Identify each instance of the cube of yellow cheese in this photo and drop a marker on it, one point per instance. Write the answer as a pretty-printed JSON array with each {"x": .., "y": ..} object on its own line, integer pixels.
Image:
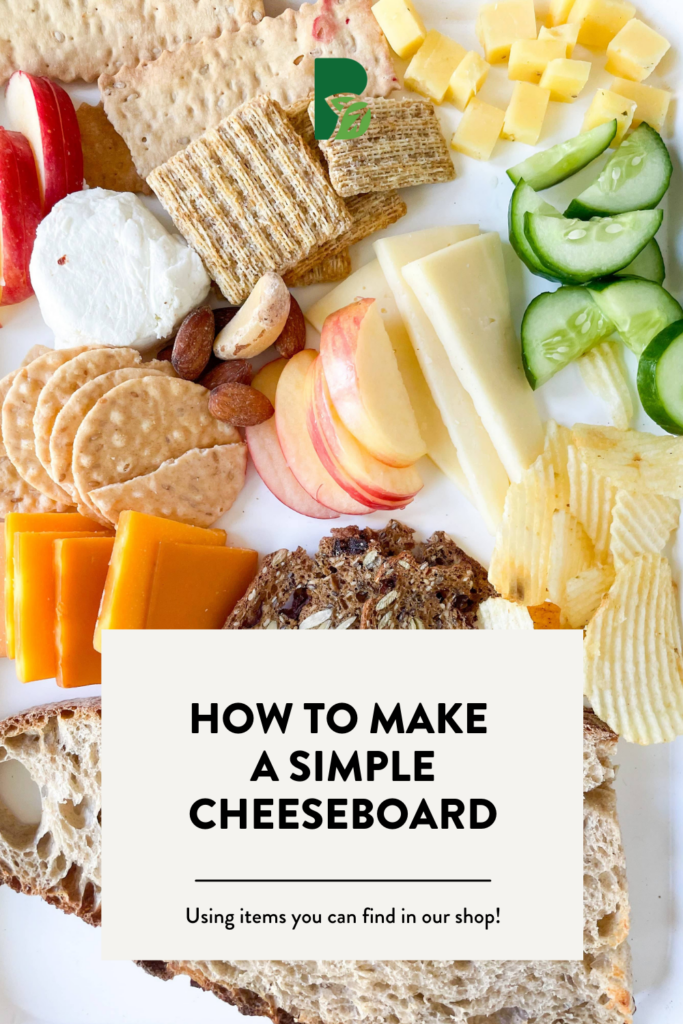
[
  {"x": 565, "y": 78},
  {"x": 467, "y": 79},
  {"x": 607, "y": 106},
  {"x": 635, "y": 51},
  {"x": 558, "y": 11},
  {"x": 499, "y": 25},
  {"x": 479, "y": 130},
  {"x": 569, "y": 35},
  {"x": 401, "y": 24},
  {"x": 430, "y": 70},
  {"x": 652, "y": 104},
  {"x": 600, "y": 20},
  {"x": 530, "y": 57},
  {"x": 525, "y": 115}
]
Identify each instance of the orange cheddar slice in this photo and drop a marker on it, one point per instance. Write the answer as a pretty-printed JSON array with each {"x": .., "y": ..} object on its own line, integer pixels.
[
  {"x": 197, "y": 587},
  {"x": 61, "y": 523},
  {"x": 81, "y": 565},
  {"x": 129, "y": 581},
  {"x": 34, "y": 604}
]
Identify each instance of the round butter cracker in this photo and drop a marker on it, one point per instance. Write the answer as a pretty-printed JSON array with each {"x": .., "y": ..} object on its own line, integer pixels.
[{"x": 65, "y": 381}]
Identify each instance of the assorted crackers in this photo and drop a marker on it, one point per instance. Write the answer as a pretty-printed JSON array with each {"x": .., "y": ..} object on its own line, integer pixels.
[
  {"x": 114, "y": 434},
  {"x": 107, "y": 162}
]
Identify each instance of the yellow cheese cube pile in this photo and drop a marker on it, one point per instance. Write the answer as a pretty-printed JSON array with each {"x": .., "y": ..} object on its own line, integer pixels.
[{"x": 541, "y": 65}]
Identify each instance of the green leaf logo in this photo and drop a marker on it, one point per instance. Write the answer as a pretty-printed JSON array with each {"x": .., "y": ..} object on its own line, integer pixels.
[{"x": 354, "y": 116}]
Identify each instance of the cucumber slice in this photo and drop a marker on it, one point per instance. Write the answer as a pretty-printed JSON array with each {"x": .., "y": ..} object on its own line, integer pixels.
[
  {"x": 559, "y": 162},
  {"x": 638, "y": 309},
  {"x": 635, "y": 178},
  {"x": 660, "y": 378},
  {"x": 525, "y": 200},
  {"x": 578, "y": 251},
  {"x": 648, "y": 264},
  {"x": 557, "y": 328}
]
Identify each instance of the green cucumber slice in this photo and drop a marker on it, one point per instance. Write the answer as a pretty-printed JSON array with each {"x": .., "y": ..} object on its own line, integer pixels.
[
  {"x": 660, "y": 378},
  {"x": 578, "y": 251},
  {"x": 635, "y": 178},
  {"x": 557, "y": 328},
  {"x": 638, "y": 309},
  {"x": 544, "y": 169},
  {"x": 525, "y": 200},
  {"x": 648, "y": 264}
]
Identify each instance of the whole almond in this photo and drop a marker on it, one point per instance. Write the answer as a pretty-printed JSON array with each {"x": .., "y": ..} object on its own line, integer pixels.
[
  {"x": 193, "y": 344},
  {"x": 234, "y": 371},
  {"x": 293, "y": 336},
  {"x": 222, "y": 316},
  {"x": 239, "y": 405}
]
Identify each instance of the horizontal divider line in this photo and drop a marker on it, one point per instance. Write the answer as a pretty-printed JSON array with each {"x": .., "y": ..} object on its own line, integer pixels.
[{"x": 351, "y": 880}]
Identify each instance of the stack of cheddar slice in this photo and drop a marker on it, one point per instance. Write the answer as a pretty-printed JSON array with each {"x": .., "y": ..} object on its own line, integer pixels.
[{"x": 67, "y": 578}]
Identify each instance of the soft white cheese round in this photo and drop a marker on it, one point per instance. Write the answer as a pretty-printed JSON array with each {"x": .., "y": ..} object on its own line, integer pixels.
[{"x": 106, "y": 272}]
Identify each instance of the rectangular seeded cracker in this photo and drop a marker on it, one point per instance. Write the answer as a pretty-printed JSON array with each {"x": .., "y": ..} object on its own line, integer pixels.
[
  {"x": 402, "y": 146},
  {"x": 334, "y": 268},
  {"x": 371, "y": 212},
  {"x": 249, "y": 197},
  {"x": 85, "y": 38},
  {"x": 160, "y": 107}
]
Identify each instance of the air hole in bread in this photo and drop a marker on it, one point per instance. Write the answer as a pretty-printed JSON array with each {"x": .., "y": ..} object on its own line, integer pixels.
[
  {"x": 45, "y": 846},
  {"x": 20, "y": 805},
  {"x": 609, "y": 924},
  {"x": 78, "y": 815}
]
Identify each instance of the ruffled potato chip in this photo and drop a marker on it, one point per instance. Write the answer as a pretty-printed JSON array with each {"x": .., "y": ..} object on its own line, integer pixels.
[
  {"x": 497, "y": 613},
  {"x": 557, "y": 440},
  {"x": 641, "y": 525},
  {"x": 632, "y": 460},
  {"x": 591, "y": 500},
  {"x": 583, "y": 594},
  {"x": 604, "y": 373},
  {"x": 571, "y": 552}
]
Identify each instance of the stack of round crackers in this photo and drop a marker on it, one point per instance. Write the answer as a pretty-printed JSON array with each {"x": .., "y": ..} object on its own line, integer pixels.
[{"x": 100, "y": 429}]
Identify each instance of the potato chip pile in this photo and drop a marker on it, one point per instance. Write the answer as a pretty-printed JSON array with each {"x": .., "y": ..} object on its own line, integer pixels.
[{"x": 586, "y": 528}]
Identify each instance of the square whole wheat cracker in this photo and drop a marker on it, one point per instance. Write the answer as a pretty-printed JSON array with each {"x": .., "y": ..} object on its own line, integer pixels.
[
  {"x": 107, "y": 162},
  {"x": 249, "y": 197},
  {"x": 85, "y": 38},
  {"x": 333, "y": 268},
  {"x": 403, "y": 146},
  {"x": 160, "y": 107}
]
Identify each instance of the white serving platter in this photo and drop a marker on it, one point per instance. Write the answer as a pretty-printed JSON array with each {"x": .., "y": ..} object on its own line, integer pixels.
[{"x": 50, "y": 967}]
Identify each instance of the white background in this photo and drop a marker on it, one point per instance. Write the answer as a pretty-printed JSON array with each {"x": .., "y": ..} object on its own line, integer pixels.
[
  {"x": 153, "y": 773},
  {"x": 50, "y": 966}
]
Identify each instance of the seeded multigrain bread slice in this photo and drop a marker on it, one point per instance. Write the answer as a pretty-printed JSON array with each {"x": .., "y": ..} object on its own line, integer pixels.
[
  {"x": 278, "y": 593},
  {"x": 57, "y": 858},
  {"x": 468, "y": 574},
  {"x": 594, "y": 990}
]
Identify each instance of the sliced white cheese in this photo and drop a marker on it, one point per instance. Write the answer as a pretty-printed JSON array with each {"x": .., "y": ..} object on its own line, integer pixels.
[
  {"x": 485, "y": 473},
  {"x": 370, "y": 282},
  {"x": 464, "y": 292}
]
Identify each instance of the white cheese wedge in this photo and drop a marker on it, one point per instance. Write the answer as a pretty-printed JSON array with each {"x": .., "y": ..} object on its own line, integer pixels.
[
  {"x": 486, "y": 476},
  {"x": 464, "y": 292},
  {"x": 370, "y": 283},
  {"x": 106, "y": 272}
]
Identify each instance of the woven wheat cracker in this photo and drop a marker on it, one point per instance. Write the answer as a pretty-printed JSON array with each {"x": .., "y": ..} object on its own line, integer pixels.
[
  {"x": 15, "y": 494},
  {"x": 402, "y": 146},
  {"x": 298, "y": 115},
  {"x": 65, "y": 381},
  {"x": 249, "y": 197},
  {"x": 84, "y": 38},
  {"x": 196, "y": 488},
  {"x": 77, "y": 408},
  {"x": 140, "y": 424},
  {"x": 371, "y": 212},
  {"x": 107, "y": 162},
  {"x": 333, "y": 268},
  {"x": 18, "y": 410},
  {"x": 159, "y": 108}
]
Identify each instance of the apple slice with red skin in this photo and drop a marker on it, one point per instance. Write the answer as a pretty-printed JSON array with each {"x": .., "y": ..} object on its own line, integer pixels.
[
  {"x": 351, "y": 465},
  {"x": 366, "y": 385},
  {"x": 297, "y": 447},
  {"x": 266, "y": 453},
  {"x": 44, "y": 113},
  {"x": 20, "y": 214}
]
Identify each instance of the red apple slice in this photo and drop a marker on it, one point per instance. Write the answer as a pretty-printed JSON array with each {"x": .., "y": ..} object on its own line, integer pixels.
[
  {"x": 267, "y": 456},
  {"x": 44, "y": 113},
  {"x": 366, "y": 384},
  {"x": 297, "y": 447},
  {"x": 354, "y": 468},
  {"x": 19, "y": 216}
]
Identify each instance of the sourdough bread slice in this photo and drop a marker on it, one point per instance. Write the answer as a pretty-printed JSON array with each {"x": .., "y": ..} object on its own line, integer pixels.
[
  {"x": 58, "y": 858},
  {"x": 595, "y": 990}
]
